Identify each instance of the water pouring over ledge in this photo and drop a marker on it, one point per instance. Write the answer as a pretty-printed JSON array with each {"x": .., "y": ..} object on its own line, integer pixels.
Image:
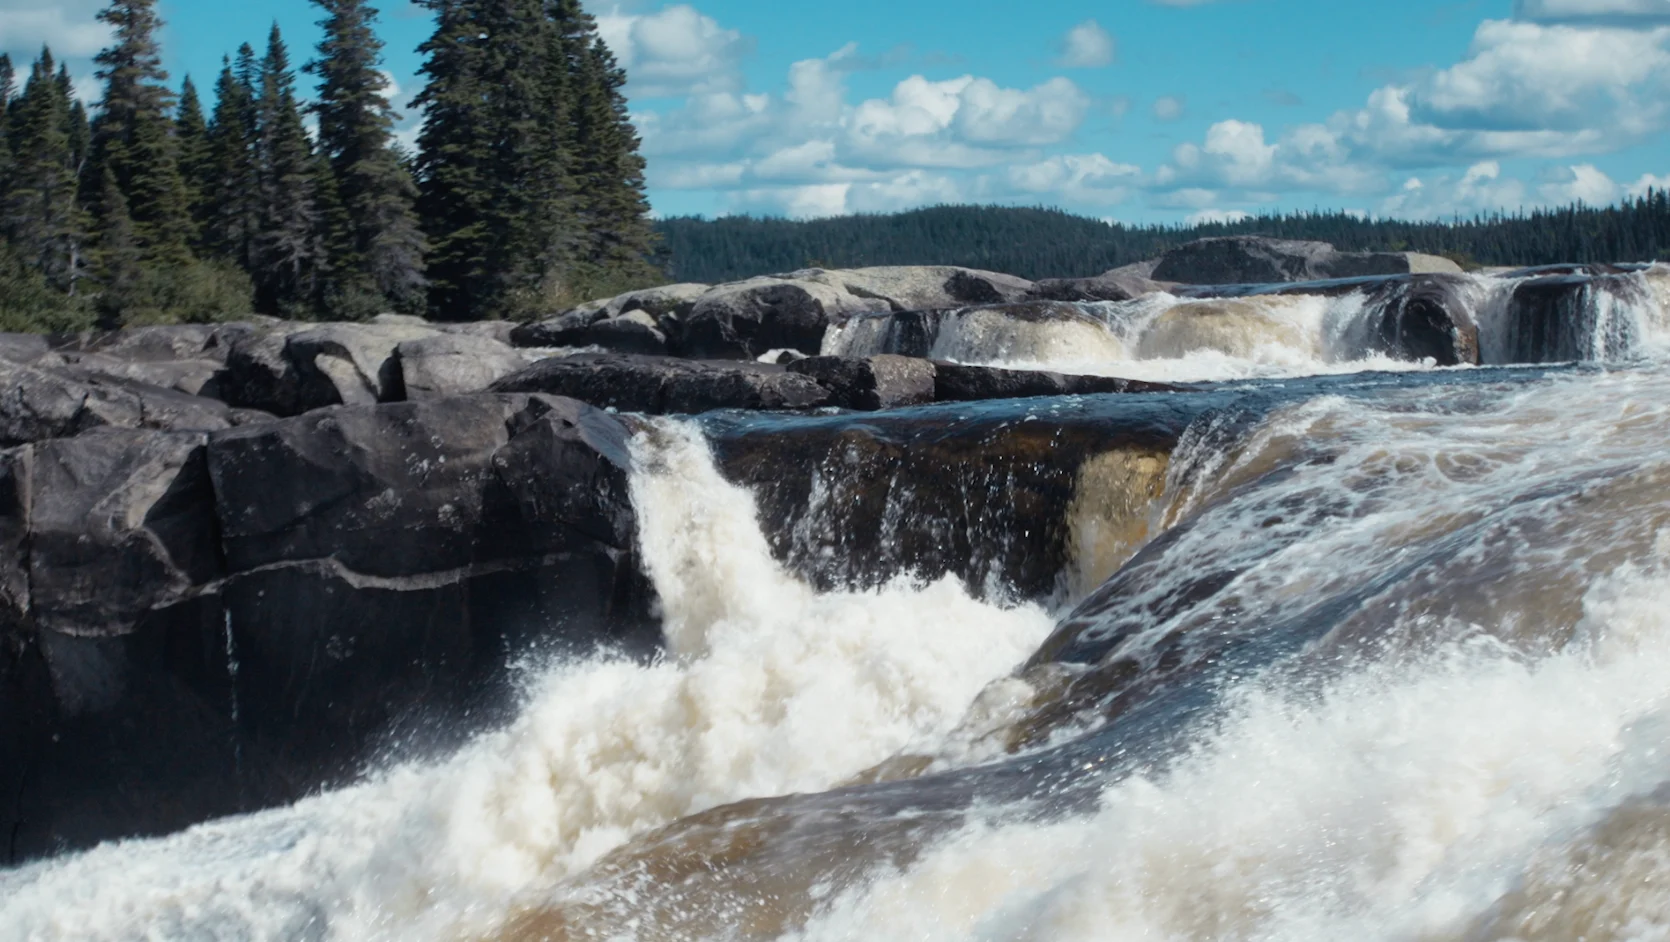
[
  {"x": 1225, "y": 332},
  {"x": 1384, "y": 661}
]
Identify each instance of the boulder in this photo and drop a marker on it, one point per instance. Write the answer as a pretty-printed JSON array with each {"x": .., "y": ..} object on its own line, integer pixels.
[
  {"x": 867, "y": 384},
  {"x": 564, "y": 330},
  {"x": 655, "y": 302},
  {"x": 1261, "y": 260},
  {"x": 492, "y": 330},
  {"x": 923, "y": 287},
  {"x": 452, "y": 363},
  {"x": 194, "y": 377},
  {"x": 1032, "y": 331},
  {"x": 198, "y": 625},
  {"x": 1119, "y": 284},
  {"x": 120, "y": 523},
  {"x": 45, "y": 401},
  {"x": 259, "y": 375},
  {"x": 633, "y": 332},
  {"x": 351, "y": 364},
  {"x": 23, "y": 348},
  {"x": 958, "y": 383},
  {"x": 287, "y": 371},
  {"x": 1012, "y": 506},
  {"x": 662, "y": 385},
  {"x": 749, "y": 318},
  {"x": 160, "y": 343},
  {"x": 1427, "y": 316},
  {"x": 1582, "y": 315}
]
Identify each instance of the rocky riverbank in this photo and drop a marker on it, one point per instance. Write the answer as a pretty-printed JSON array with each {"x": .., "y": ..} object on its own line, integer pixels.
[{"x": 239, "y": 561}]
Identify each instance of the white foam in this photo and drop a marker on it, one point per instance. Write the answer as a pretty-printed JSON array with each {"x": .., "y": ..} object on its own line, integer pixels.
[
  {"x": 1402, "y": 803},
  {"x": 770, "y": 688}
]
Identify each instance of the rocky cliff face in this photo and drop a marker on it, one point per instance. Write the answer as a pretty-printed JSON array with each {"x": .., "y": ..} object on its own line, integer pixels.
[{"x": 201, "y": 623}]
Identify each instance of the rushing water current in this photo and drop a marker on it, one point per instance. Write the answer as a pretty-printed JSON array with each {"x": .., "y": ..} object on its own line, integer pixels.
[{"x": 1392, "y": 663}]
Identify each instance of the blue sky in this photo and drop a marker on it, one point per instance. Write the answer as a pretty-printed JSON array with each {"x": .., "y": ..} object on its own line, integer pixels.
[{"x": 1136, "y": 110}]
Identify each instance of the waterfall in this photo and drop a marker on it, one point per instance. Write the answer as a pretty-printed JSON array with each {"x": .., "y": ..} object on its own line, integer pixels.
[
  {"x": 1392, "y": 323},
  {"x": 1306, "y": 657},
  {"x": 769, "y": 687}
]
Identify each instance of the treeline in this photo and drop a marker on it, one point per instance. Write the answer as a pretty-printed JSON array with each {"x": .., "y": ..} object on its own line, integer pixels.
[
  {"x": 526, "y": 193},
  {"x": 1046, "y": 243}
]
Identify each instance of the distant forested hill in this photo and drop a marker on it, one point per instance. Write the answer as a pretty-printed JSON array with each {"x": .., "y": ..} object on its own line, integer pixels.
[{"x": 1045, "y": 243}]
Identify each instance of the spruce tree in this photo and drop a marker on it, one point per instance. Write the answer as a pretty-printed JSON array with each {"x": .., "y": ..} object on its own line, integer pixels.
[
  {"x": 8, "y": 88},
  {"x": 287, "y": 251},
  {"x": 39, "y": 213},
  {"x": 191, "y": 131},
  {"x": 608, "y": 174},
  {"x": 231, "y": 184},
  {"x": 493, "y": 190},
  {"x": 117, "y": 256},
  {"x": 133, "y": 139},
  {"x": 377, "y": 245}
]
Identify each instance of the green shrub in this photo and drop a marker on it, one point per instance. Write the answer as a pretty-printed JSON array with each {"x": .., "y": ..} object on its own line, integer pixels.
[{"x": 28, "y": 304}]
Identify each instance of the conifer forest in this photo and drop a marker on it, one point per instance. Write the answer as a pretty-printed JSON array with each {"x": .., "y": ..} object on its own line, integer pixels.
[{"x": 159, "y": 204}]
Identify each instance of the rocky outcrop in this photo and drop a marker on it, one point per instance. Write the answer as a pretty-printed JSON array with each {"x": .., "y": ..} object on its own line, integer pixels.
[
  {"x": 450, "y": 364},
  {"x": 635, "y": 331},
  {"x": 1425, "y": 317},
  {"x": 1261, "y": 260},
  {"x": 194, "y": 624},
  {"x": 1120, "y": 284},
  {"x": 52, "y": 399},
  {"x": 1033, "y": 331},
  {"x": 749, "y": 318},
  {"x": 923, "y": 287},
  {"x": 871, "y": 383},
  {"x": 1582, "y": 314},
  {"x": 663, "y": 386},
  {"x": 1010, "y": 505},
  {"x": 955, "y": 382},
  {"x": 288, "y": 369}
]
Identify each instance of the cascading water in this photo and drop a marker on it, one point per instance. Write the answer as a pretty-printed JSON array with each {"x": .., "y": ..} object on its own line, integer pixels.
[
  {"x": 1384, "y": 657},
  {"x": 768, "y": 688},
  {"x": 1254, "y": 332}
]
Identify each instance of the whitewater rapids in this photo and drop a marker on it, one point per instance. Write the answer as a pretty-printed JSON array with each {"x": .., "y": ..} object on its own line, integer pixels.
[
  {"x": 767, "y": 688},
  {"x": 1403, "y": 643}
]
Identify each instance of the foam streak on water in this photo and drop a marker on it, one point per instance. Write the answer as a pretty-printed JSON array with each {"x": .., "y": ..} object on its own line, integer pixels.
[{"x": 768, "y": 688}]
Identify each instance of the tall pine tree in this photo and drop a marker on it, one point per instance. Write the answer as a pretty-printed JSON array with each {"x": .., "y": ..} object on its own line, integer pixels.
[
  {"x": 133, "y": 139},
  {"x": 609, "y": 177},
  {"x": 230, "y": 181},
  {"x": 494, "y": 195},
  {"x": 191, "y": 131},
  {"x": 39, "y": 212},
  {"x": 287, "y": 251},
  {"x": 377, "y": 245},
  {"x": 8, "y": 88}
]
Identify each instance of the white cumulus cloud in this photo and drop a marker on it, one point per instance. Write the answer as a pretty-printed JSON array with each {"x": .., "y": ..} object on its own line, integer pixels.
[
  {"x": 675, "y": 52},
  {"x": 1647, "y": 182},
  {"x": 1481, "y": 189},
  {"x": 1087, "y": 46},
  {"x": 1620, "y": 10},
  {"x": 1169, "y": 107},
  {"x": 67, "y": 26},
  {"x": 1582, "y": 183},
  {"x": 1534, "y": 77}
]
